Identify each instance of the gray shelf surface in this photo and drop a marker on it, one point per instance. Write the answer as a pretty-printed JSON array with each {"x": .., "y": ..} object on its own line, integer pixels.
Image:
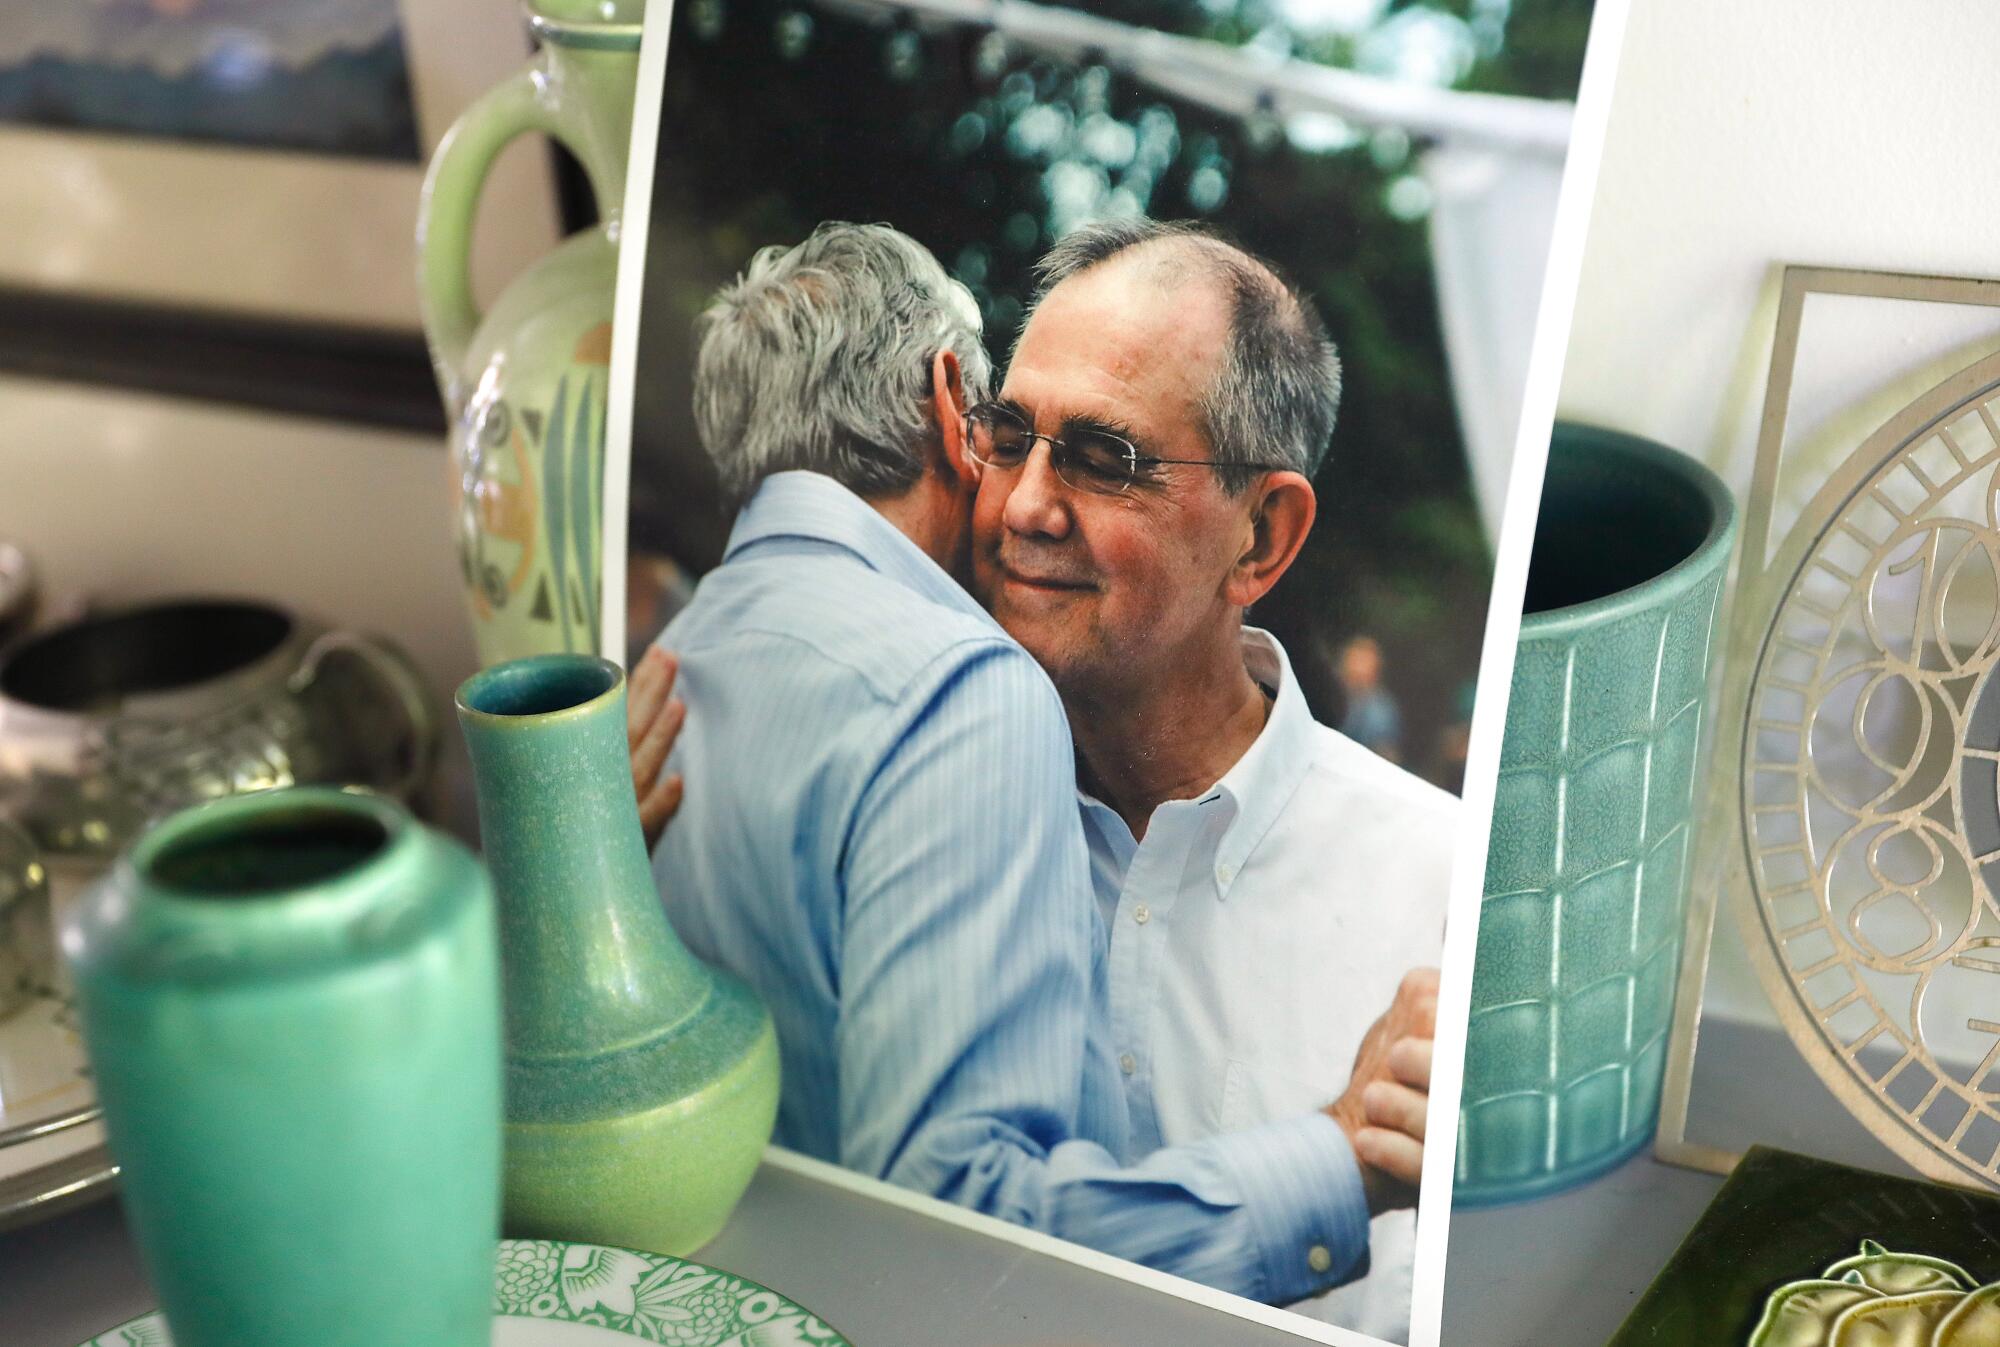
[
  {"x": 1566, "y": 1270},
  {"x": 883, "y": 1275}
]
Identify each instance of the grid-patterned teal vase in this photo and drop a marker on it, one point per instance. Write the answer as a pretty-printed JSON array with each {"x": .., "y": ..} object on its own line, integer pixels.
[{"x": 1586, "y": 876}]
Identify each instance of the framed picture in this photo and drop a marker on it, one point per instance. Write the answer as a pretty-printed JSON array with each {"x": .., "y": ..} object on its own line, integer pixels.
[{"x": 261, "y": 157}]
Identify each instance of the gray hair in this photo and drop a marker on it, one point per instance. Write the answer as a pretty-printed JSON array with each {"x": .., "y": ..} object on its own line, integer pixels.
[
  {"x": 819, "y": 356},
  {"x": 1274, "y": 399}
]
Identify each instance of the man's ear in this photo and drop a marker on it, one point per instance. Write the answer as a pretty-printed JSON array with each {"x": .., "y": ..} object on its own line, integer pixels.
[
  {"x": 1282, "y": 508},
  {"x": 948, "y": 410}
]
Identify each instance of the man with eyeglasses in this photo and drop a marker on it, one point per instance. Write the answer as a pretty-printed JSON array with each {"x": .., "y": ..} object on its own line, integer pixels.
[
  {"x": 1269, "y": 885},
  {"x": 881, "y": 832}
]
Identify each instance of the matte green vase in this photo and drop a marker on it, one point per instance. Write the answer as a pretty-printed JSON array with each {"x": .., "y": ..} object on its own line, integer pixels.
[
  {"x": 292, "y": 1007},
  {"x": 642, "y": 1085},
  {"x": 1586, "y": 874},
  {"x": 524, "y": 385}
]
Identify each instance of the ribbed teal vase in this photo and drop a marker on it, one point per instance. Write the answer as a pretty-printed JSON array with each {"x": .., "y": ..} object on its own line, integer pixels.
[
  {"x": 1586, "y": 874},
  {"x": 292, "y": 1006},
  {"x": 641, "y": 1084}
]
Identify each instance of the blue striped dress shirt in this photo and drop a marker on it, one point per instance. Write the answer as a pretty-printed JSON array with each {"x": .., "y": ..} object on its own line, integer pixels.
[{"x": 881, "y": 836}]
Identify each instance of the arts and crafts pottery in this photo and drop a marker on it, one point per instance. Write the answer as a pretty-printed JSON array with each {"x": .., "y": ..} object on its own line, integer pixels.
[
  {"x": 549, "y": 1294},
  {"x": 1798, "y": 1252},
  {"x": 291, "y": 1003},
  {"x": 524, "y": 383},
  {"x": 1587, "y": 871},
  {"x": 642, "y": 1085}
]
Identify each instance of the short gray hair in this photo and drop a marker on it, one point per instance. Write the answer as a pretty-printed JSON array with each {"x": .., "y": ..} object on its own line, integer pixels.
[
  {"x": 819, "y": 356},
  {"x": 1274, "y": 399}
]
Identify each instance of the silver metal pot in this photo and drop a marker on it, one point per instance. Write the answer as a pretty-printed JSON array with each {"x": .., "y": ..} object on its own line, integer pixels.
[{"x": 108, "y": 722}]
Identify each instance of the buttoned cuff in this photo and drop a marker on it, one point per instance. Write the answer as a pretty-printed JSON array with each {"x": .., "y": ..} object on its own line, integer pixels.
[{"x": 1302, "y": 1190}]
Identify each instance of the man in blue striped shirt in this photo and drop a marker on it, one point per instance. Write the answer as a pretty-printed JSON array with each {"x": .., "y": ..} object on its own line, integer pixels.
[{"x": 882, "y": 835}]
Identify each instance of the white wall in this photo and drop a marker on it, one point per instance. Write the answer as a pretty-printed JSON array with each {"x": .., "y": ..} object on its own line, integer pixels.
[
  {"x": 1745, "y": 136},
  {"x": 122, "y": 496}
]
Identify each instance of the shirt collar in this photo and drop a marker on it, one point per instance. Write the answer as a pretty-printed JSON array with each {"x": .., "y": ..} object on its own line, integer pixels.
[
  {"x": 812, "y": 506},
  {"x": 1264, "y": 779},
  {"x": 1254, "y": 791}
]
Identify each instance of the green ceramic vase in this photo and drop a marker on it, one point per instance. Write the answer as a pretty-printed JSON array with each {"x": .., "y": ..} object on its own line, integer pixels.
[
  {"x": 1586, "y": 875},
  {"x": 291, "y": 1002},
  {"x": 641, "y": 1084},
  {"x": 524, "y": 385}
]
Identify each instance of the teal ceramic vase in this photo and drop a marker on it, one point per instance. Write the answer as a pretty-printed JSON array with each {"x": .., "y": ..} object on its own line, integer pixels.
[
  {"x": 291, "y": 1002},
  {"x": 641, "y": 1084},
  {"x": 1586, "y": 874},
  {"x": 524, "y": 383}
]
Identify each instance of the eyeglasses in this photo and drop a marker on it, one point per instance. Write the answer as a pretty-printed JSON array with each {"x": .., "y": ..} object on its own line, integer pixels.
[{"x": 1087, "y": 460}]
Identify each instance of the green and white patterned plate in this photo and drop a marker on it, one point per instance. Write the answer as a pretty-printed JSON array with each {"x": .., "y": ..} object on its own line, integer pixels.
[{"x": 550, "y": 1294}]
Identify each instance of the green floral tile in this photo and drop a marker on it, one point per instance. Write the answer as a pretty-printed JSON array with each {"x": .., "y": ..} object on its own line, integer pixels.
[{"x": 1797, "y": 1252}]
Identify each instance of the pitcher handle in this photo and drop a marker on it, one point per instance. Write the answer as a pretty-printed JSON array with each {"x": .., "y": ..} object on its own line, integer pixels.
[
  {"x": 394, "y": 669},
  {"x": 452, "y": 188}
]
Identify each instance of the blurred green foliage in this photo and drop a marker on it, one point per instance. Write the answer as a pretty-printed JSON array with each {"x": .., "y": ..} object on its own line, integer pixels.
[{"x": 778, "y": 115}]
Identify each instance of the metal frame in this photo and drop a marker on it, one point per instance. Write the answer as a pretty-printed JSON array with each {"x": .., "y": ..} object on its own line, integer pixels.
[{"x": 1722, "y": 869}]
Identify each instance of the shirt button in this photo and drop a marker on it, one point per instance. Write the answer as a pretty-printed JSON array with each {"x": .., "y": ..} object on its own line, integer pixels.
[
  {"x": 1224, "y": 873},
  {"x": 1318, "y": 1259},
  {"x": 1142, "y": 914},
  {"x": 1128, "y": 1063}
]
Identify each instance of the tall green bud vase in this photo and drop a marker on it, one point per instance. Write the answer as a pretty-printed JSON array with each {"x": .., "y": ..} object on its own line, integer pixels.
[
  {"x": 292, "y": 1005},
  {"x": 641, "y": 1084},
  {"x": 524, "y": 384}
]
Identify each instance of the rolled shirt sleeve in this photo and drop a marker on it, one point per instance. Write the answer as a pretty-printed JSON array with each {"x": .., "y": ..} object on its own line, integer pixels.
[{"x": 965, "y": 1000}]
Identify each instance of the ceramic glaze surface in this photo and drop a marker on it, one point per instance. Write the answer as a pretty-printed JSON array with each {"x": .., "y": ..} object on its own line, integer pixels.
[
  {"x": 524, "y": 385},
  {"x": 1580, "y": 930},
  {"x": 641, "y": 1084},
  {"x": 291, "y": 1002},
  {"x": 1796, "y": 1252}
]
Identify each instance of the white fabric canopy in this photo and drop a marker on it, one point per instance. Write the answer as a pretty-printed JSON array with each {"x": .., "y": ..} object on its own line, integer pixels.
[{"x": 1491, "y": 221}]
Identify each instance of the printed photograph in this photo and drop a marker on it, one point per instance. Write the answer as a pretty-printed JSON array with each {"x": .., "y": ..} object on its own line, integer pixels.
[{"x": 1065, "y": 457}]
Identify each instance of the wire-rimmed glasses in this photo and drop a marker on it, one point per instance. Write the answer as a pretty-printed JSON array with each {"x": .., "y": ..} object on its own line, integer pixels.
[{"x": 1084, "y": 458}]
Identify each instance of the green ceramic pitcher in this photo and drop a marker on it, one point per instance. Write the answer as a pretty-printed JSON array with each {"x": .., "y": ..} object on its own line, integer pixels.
[
  {"x": 642, "y": 1085},
  {"x": 1586, "y": 874},
  {"x": 524, "y": 385},
  {"x": 292, "y": 1007}
]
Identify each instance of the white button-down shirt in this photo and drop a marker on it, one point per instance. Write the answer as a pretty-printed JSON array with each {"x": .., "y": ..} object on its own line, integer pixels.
[{"x": 1257, "y": 932}]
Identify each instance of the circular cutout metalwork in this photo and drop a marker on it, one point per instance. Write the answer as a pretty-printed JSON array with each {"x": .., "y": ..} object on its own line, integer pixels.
[{"x": 1870, "y": 750}]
